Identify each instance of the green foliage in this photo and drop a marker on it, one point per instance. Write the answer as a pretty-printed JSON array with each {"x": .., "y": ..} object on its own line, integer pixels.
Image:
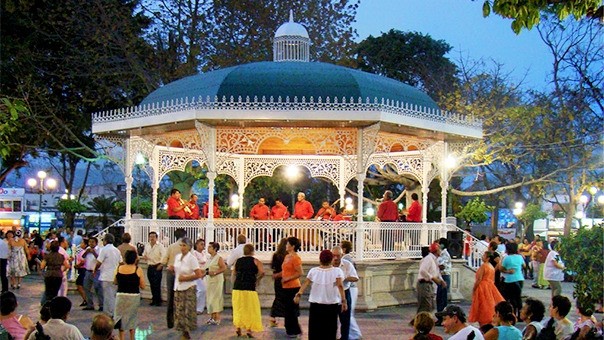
[
  {"x": 474, "y": 211},
  {"x": 410, "y": 57},
  {"x": 529, "y": 214},
  {"x": 72, "y": 60},
  {"x": 527, "y": 14},
  {"x": 17, "y": 137},
  {"x": 70, "y": 208},
  {"x": 104, "y": 206},
  {"x": 582, "y": 254}
]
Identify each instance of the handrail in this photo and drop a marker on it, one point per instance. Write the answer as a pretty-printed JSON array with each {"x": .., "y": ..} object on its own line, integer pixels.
[
  {"x": 474, "y": 260},
  {"x": 119, "y": 223}
]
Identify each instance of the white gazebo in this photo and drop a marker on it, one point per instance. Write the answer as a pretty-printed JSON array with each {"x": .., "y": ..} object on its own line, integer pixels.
[{"x": 246, "y": 121}]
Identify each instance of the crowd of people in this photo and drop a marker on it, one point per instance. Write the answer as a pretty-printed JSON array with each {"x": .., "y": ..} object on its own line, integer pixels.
[{"x": 110, "y": 281}]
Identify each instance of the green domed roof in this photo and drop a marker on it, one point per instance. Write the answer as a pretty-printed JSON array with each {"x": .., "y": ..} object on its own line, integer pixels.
[{"x": 290, "y": 79}]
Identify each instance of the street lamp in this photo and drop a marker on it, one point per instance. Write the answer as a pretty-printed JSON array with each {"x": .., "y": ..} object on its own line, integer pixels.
[
  {"x": 518, "y": 208},
  {"x": 42, "y": 184}
]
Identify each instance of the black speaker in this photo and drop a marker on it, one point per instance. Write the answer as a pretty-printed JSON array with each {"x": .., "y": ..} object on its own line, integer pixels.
[{"x": 455, "y": 247}]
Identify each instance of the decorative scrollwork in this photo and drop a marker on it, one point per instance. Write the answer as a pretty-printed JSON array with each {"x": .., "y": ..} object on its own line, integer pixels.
[{"x": 327, "y": 167}]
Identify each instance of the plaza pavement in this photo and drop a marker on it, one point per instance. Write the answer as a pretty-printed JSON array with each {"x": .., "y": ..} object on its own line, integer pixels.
[{"x": 382, "y": 324}]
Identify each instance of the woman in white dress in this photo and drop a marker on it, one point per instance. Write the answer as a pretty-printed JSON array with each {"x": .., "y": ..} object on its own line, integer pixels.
[{"x": 202, "y": 257}]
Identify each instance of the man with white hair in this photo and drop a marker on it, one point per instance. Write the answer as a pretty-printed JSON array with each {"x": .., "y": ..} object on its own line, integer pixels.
[
  {"x": 350, "y": 276},
  {"x": 303, "y": 209}
]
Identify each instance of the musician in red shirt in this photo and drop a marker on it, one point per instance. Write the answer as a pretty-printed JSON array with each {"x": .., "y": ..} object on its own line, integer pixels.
[
  {"x": 326, "y": 212},
  {"x": 260, "y": 211},
  {"x": 279, "y": 211},
  {"x": 303, "y": 209},
  {"x": 176, "y": 205},
  {"x": 414, "y": 213},
  {"x": 193, "y": 212},
  {"x": 387, "y": 211},
  {"x": 206, "y": 209}
]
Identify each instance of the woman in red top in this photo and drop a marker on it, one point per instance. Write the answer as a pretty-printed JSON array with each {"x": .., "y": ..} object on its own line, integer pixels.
[{"x": 291, "y": 271}]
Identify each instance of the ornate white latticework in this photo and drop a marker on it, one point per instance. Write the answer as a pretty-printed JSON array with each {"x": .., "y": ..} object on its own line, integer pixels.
[
  {"x": 386, "y": 142},
  {"x": 229, "y": 165},
  {"x": 139, "y": 146},
  {"x": 248, "y": 141},
  {"x": 327, "y": 167},
  {"x": 185, "y": 139},
  {"x": 370, "y": 140},
  {"x": 173, "y": 159},
  {"x": 265, "y": 104},
  {"x": 113, "y": 147},
  {"x": 404, "y": 163},
  {"x": 436, "y": 154}
]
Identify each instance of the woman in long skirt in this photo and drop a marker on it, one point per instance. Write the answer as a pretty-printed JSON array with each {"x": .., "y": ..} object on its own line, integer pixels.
[
  {"x": 278, "y": 307},
  {"x": 214, "y": 271},
  {"x": 17, "y": 259},
  {"x": 186, "y": 271},
  {"x": 485, "y": 294},
  {"x": 246, "y": 305},
  {"x": 129, "y": 280}
]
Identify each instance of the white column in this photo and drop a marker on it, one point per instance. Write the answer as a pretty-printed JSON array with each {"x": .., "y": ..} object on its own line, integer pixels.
[
  {"x": 360, "y": 230},
  {"x": 241, "y": 191},
  {"x": 210, "y": 225}
]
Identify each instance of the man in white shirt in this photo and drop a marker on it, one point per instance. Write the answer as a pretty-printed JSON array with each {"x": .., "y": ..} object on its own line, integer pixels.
[
  {"x": 350, "y": 276},
  {"x": 107, "y": 262},
  {"x": 56, "y": 327},
  {"x": 427, "y": 276},
  {"x": 153, "y": 254},
  {"x": 3, "y": 263},
  {"x": 168, "y": 261},
  {"x": 237, "y": 252},
  {"x": 454, "y": 322},
  {"x": 92, "y": 285}
]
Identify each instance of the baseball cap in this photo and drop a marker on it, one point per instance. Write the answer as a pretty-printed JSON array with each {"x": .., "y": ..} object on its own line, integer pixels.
[
  {"x": 453, "y": 310},
  {"x": 434, "y": 247}
]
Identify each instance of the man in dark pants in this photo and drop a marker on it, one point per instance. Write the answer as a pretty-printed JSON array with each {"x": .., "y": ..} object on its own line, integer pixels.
[
  {"x": 167, "y": 261},
  {"x": 153, "y": 254},
  {"x": 3, "y": 262},
  {"x": 444, "y": 264},
  {"x": 350, "y": 275}
]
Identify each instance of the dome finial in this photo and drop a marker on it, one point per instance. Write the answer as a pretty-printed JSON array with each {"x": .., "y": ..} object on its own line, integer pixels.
[{"x": 291, "y": 42}]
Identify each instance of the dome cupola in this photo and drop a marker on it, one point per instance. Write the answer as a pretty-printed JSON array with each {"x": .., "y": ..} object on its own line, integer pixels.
[{"x": 291, "y": 42}]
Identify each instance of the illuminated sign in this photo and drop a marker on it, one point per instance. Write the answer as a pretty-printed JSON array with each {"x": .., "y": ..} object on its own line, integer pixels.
[{"x": 12, "y": 192}]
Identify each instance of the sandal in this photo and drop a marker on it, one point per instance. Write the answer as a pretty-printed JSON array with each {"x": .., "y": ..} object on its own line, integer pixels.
[
  {"x": 249, "y": 335},
  {"x": 238, "y": 331},
  {"x": 273, "y": 323}
]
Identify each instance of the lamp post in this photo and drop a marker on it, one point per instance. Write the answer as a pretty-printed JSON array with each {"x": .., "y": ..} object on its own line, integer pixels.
[
  {"x": 517, "y": 211},
  {"x": 42, "y": 184}
]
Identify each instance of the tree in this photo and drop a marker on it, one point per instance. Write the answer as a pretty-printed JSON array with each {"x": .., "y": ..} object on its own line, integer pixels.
[
  {"x": 474, "y": 211},
  {"x": 104, "y": 206},
  {"x": 527, "y": 14},
  {"x": 410, "y": 57},
  {"x": 529, "y": 215},
  {"x": 16, "y": 135},
  {"x": 193, "y": 36},
  {"x": 69, "y": 61},
  {"x": 582, "y": 254},
  {"x": 70, "y": 208}
]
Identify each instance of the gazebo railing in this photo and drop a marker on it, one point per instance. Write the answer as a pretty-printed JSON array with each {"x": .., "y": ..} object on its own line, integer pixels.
[{"x": 377, "y": 240}]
